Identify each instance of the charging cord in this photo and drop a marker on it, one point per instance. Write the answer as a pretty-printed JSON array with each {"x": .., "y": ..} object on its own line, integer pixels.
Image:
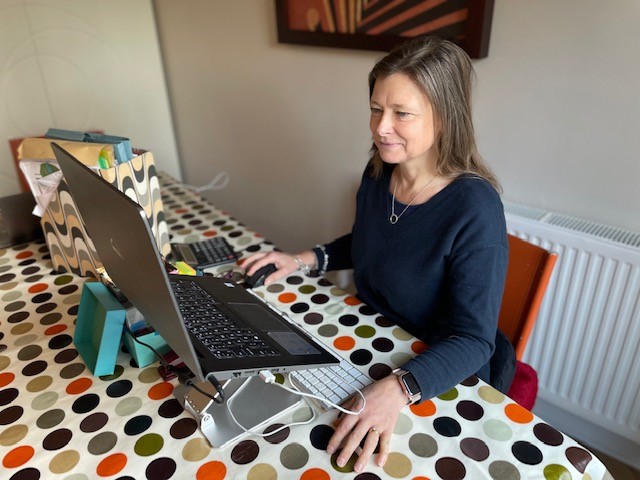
[
  {"x": 220, "y": 181},
  {"x": 183, "y": 374},
  {"x": 270, "y": 378},
  {"x": 322, "y": 399}
]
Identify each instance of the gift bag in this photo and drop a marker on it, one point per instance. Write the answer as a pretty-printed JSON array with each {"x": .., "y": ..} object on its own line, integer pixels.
[{"x": 69, "y": 244}]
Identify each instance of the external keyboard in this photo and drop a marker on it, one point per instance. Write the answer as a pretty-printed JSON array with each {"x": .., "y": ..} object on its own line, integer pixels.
[
  {"x": 215, "y": 330},
  {"x": 335, "y": 383},
  {"x": 205, "y": 253}
]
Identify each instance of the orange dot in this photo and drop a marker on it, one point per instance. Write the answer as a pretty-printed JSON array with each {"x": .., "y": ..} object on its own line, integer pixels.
[
  {"x": 18, "y": 456},
  {"x": 287, "y": 297},
  {"x": 6, "y": 378},
  {"x": 210, "y": 233},
  {"x": 160, "y": 391},
  {"x": 22, "y": 255},
  {"x": 315, "y": 474},
  {"x": 111, "y": 465},
  {"x": 418, "y": 346},
  {"x": 420, "y": 478},
  {"x": 211, "y": 471},
  {"x": 518, "y": 413},
  {"x": 79, "y": 386},
  {"x": 344, "y": 343},
  {"x": 182, "y": 210},
  {"x": 55, "y": 329},
  {"x": 38, "y": 287},
  {"x": 352, "y": 301},
  {"x": 424, "y": 409}
]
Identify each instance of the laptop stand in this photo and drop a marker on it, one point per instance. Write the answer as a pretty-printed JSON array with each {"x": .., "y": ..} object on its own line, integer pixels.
[{"x": 254, "y": 404}]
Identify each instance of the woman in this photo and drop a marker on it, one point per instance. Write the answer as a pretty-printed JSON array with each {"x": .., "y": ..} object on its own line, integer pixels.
[{"x": 428, "y": 246}]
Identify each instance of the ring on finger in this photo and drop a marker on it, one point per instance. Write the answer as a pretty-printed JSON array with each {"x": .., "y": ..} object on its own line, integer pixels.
[{"x": 374, "y": 430}]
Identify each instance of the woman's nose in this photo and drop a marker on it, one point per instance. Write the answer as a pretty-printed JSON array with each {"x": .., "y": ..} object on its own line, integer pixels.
[{"x": 385, "y": 125}]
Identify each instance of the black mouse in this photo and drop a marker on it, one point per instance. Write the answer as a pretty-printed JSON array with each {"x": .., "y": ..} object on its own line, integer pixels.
[{"x": 257, "y": 279}]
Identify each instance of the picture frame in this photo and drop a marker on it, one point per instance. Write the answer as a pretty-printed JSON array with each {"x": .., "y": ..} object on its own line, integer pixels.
[{"x": 381, "y": 24}]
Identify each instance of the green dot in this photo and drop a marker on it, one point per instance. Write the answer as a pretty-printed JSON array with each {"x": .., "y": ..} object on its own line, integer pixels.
[
  {"x": 365, "y": 331},
  {"x": 226, "y": 228},
  {"x": 149, "y": 444},
  {"x": 307, "y": 289},
  {"x": 450, "y": 395},
  {"x": 63, "y": 279},
  {"x": 348, "y": 467},
  {"x": 556, "y": 472}
]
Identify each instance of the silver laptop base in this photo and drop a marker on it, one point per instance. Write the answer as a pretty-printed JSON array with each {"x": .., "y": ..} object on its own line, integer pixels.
[{"x": 214, "y": 419}]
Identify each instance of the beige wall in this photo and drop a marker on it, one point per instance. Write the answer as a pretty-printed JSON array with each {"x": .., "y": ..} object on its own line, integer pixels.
[{"x": 557, "y": 108}]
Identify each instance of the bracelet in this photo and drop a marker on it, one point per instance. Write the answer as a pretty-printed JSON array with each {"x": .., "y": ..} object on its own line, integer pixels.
[
  {"x": 303, "y": 267},
  {"x": 323, "y": 257}
]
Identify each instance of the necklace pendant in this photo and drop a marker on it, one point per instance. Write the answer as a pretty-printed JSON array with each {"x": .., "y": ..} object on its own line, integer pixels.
[{"x": 394, "y": 219}]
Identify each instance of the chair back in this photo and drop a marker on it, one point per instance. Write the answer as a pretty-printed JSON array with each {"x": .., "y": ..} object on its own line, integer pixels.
[{"x": 528, "y": 273}]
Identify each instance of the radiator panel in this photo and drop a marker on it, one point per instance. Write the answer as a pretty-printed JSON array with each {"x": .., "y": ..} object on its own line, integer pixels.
[{"x": 585, "y": 345}]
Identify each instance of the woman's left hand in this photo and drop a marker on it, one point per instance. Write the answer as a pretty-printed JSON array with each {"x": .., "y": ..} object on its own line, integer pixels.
[{"x": 385, "y": 399}]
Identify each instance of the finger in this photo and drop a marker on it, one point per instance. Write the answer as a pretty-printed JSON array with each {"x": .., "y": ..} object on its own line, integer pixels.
[
  {"x": 370, "y": 444},
  {"x": 342, "y": 428},
  {"x": 350, "y": 443},
  {"x": 383, "y": 444}
]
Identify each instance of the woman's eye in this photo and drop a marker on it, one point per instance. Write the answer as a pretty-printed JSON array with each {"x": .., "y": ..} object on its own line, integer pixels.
[
  {"x": 403, "y": 114},
  {"x": 376, "y": 111}
]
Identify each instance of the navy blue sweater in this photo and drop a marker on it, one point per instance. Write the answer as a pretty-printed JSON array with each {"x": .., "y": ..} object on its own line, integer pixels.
[{"x": 438, "y": 273}]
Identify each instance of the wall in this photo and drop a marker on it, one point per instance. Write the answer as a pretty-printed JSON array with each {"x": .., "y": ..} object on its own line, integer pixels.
[
  {"x": 557, "y": 108},
  {"x": 79, "y": 65}
]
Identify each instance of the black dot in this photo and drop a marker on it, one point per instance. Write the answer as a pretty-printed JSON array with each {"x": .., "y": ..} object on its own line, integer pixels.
[
  {"x": 348, "y": 320},
  {"x": 526, "y": 453},
  {"x": 86, "y": 403},
  {"x": 361, "y": 357},
  {"x": 447, "y": 426},
  {"x": 320, "y": 436}
]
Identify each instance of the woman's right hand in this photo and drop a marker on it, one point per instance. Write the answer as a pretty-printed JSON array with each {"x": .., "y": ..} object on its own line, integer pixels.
[{"x": 284, "y": 262}]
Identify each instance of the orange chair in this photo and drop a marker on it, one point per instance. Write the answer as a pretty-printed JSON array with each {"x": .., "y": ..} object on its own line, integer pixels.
[{"x": 528, "y": 273}]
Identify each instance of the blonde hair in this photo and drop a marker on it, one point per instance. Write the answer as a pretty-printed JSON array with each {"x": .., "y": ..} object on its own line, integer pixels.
[{"x": 444, "y": 72}]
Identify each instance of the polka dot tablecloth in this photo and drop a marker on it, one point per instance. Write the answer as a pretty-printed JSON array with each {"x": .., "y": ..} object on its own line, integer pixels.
[{"x": 57, "y": 421}]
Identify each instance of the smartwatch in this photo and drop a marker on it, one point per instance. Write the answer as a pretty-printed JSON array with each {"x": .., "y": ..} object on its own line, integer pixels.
[{"x": 409, "y": 385}]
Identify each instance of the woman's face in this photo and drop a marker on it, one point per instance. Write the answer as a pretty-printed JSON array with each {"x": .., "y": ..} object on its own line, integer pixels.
[{"x": 402, "y": 121}]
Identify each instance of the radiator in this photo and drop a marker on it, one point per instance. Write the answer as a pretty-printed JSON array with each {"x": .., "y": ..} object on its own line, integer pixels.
[{"x": 585, "y": 345}]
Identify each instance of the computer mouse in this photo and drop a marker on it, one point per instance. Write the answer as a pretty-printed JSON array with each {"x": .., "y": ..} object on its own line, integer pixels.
[{"x": 257, "y": 279}]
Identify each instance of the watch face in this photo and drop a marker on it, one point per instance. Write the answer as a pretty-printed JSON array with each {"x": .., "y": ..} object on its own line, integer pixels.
[{"x": 410, "y": 383}]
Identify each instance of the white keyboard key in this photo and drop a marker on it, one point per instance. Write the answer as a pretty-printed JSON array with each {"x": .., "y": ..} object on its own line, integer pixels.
[{"x": 335, "y": 383}]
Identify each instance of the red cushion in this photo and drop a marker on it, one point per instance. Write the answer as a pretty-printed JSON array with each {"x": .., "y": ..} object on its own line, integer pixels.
[{"x": 524, "y": 388}]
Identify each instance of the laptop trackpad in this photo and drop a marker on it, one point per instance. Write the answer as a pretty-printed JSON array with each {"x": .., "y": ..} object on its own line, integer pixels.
[{"x": 262, "y": 319}]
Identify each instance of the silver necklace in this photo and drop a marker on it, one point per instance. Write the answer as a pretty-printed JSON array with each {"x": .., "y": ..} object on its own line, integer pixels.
[{"x": 394, "y": 218}]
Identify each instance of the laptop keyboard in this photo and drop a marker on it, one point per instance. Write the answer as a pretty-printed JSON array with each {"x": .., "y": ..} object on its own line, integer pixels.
[
  {"x": 335, "y": 383},
  {"x": 216, "y": 331}
]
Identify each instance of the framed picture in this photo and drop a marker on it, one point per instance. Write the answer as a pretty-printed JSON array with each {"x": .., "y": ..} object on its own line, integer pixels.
[{"x": 381, "y": 24}]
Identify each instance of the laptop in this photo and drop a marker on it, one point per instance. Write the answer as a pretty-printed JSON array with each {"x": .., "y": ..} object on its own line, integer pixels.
[
  {"x": 125, "y": 244},
  {"x": 17, "y": 223}
]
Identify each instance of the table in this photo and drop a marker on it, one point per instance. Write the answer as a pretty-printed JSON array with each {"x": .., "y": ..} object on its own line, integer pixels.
[{"x": 57, "y": 421}]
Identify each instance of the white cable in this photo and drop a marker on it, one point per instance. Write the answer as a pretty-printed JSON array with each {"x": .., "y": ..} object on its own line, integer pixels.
[
  {"x": 247, "y": 430},
  {"x": 322, "y": 399},
  {"x": 220, "y": 181}
]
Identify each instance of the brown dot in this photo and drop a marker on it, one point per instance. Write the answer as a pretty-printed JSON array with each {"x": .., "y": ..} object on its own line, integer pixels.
[
  {"x": 245, "y": 452},
  {"x": 578, "y": 457},
  {"x": 450, "y": 468},
  {"x": 475, "y": 449}
]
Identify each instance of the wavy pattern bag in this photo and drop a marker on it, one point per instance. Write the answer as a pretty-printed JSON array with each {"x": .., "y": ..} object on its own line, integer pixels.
[{"x": 69, "y": 244}]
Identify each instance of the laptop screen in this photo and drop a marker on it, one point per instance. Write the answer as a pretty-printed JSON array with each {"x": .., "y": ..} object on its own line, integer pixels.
[{"x": 123, "y": 239}]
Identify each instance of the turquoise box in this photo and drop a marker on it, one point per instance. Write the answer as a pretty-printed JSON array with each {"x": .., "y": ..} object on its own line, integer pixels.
[
  {"x": 99, "y": 328},
  {"x": 143, "y": 355}
]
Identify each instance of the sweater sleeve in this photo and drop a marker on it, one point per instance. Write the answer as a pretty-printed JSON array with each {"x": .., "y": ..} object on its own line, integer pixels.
[{"x": 339, "y": 252}]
